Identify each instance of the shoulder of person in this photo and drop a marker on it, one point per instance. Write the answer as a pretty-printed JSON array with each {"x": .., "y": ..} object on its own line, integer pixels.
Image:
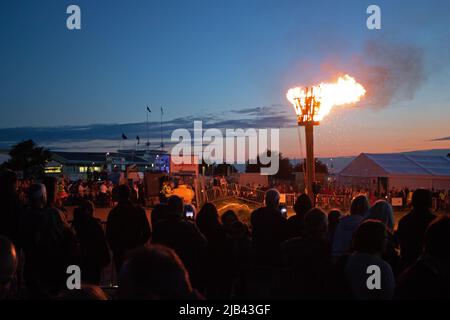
[
  {"x": 385, "y": 266},
  {"x": 140, "y": 208},
  {"x": 52, "y": 210},
  {"x": 289, "y": 243},
  {"x": 113, "y": 210},
  {"x": 189, "y": 224},
  {"x": 96, "y": 222},
  {"x": 256, "y": 212},
  {"x": 112, "y": 213},
  {"x": 368, "y": 259},
  {"x": 431, "y": 216},
  {"x": 341, "y": 261},
  {"x": 56, "y": 213}
]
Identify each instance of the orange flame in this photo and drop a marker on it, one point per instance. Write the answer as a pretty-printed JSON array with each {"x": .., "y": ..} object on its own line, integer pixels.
[{"x": 345, "y": 91}]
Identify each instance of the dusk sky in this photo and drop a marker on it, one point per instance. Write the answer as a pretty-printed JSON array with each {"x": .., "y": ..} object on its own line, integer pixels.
[{"x": 229, "y": 63}]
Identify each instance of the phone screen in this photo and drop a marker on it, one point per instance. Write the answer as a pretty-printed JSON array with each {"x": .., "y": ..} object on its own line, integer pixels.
[{"x": 189, "y": 214}]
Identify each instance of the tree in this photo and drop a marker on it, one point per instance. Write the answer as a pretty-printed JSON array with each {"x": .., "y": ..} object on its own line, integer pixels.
[
  {"x": 29, "y": 158},
  {"x": 222, "y": 169},
  {"x": 284, "y": 169},
  {"x": 320, "y": 167}
]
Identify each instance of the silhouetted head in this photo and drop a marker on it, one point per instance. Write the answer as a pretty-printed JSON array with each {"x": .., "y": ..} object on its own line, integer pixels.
[
  {"x": 8, "y": 264},
  {"x": 83, "y": 212},
  {"x": 359, "y": 206},
  {"x": 88, "y": 207},
  {"x": 86, "y": 293},
  {"x": 123, "y": 193},
  {"x": 422, "y": 199},
  {"x": 238, "y": 229},
  {"x": 51, "y": 185},
  {"x": 302, "y": 205},
  {"x": 176, "y": 206},
  {"x": 272, "y": 198},
  {"x": 228, "y": 218},
  {"x": 159, "y": 213},
  {"x": 8, "y": 183},
  {"x": 382, "y": 211},
  {"x": 316, "y": 222},
  {"x": 37, "y": 195},
  {"x": 437, "y": 239},
  {"x": 333, "y": 217},
  {"x": 207, "y": 218},
  {"x": 370, "y": 237},
  {"x": 154, "y": 273}
]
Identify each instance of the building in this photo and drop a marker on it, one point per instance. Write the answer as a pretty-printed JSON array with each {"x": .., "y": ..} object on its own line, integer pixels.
[
  {"x": 383, "y": 172},
  {"x": 158, "y": 160},
  {"x": 85, "y": 165}
]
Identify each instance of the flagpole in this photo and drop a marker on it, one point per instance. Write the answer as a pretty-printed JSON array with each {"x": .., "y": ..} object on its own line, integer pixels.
[
  {"x": 162, "y": 144},
  {"x": 148, "y": 136}
]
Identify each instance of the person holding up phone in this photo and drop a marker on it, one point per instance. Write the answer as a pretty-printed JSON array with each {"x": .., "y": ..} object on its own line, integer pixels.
[{"x": 189, "y": 212}]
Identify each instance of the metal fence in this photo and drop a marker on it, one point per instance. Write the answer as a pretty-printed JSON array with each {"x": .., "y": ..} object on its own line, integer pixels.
[
  {"x": 256, "y": 196},
  {"x": 333, "y": 201},
  {"x": 237, "y": 191}
]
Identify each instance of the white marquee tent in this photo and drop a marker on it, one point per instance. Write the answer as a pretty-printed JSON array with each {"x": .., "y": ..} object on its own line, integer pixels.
[{"x": 387, "y": 171}]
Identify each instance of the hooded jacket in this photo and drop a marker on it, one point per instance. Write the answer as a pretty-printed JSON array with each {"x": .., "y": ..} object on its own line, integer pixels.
[{"x": 344, "y": 234}]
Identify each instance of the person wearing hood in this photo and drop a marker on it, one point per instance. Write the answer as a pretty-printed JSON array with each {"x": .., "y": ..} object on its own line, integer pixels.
[
  {"x": 368, "y": 245},
  {"x": 382, "y": 211},
  {"x": 348, "y": 224}
]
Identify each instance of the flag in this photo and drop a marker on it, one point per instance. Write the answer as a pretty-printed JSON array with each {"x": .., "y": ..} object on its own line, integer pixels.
[
  {"x": 162, "y": 112},
  {"x": 138, "y": 140},
  {"x": 148, "y": 109},
  {"x": 124, "y": 137}
]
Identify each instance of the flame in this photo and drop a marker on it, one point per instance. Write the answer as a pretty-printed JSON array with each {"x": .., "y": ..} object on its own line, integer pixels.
[{"x": 345, "y": 91}]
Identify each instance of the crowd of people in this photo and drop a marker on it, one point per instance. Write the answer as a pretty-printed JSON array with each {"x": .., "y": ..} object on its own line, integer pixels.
[
  {"x": 341, "y": 197},
  {"x": 204, "y": 255},
  {"x": 332, "y": 195}
]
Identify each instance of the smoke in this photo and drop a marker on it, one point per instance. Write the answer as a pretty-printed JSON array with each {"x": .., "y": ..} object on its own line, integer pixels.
[{"x": 391, "y": 73}]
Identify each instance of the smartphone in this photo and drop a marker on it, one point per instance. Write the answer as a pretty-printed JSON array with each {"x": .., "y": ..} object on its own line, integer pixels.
[
  {"x": 283, "y": 211},
  {"x": 189, "y": 214}
]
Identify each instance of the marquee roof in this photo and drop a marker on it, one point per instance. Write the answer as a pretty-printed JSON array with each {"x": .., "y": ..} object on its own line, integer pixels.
[{"x": 400, "y": 164}]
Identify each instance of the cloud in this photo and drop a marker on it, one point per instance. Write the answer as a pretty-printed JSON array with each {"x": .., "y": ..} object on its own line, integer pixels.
[
  {"x": 441, "y": 139},
  {"x": 100, "y": 137},
  {"x": 251, "y": 111}
]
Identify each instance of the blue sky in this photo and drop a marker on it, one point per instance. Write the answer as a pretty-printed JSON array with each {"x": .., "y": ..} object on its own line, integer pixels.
[{"x": 203, "y": 57}]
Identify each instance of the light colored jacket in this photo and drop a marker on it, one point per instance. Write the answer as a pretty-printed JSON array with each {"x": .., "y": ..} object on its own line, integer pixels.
[
  {"x": 359, "y": 272},
  {"x": 343, "y": 235}
]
